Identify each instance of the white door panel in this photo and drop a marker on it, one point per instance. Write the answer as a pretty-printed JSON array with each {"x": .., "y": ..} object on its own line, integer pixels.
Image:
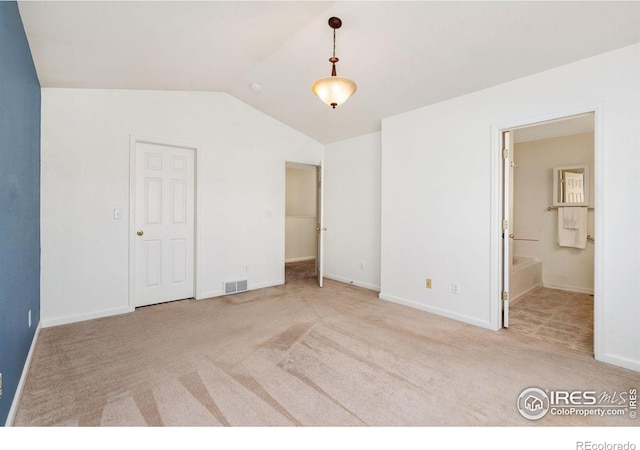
[
  {"x": 164, "y": 222},
  {"x": 507, "y": 221},
  {"x": 320, "y": 228}
]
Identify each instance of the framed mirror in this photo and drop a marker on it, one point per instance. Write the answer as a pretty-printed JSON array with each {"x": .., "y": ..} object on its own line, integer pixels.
[{"x": 571, "y": 186}]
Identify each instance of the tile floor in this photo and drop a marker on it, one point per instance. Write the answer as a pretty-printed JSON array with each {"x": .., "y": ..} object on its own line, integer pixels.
[
  {"x": 300, "y": 270},
  {"x": 556, "y": 316}
]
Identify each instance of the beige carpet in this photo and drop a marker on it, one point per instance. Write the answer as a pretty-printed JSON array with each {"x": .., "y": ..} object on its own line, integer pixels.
[{"x": 297, "y": 355}]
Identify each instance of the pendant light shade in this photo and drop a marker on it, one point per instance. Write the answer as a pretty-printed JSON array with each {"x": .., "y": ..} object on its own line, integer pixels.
[{"x": 334, "y": 90}]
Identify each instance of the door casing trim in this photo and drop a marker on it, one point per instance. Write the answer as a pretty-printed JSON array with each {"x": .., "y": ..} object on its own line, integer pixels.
[{"x": 497, "y": 193}]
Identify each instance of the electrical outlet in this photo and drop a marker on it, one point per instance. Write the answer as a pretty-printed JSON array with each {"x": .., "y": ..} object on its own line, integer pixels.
[
  {"x": 428, "y": 283},
  {"x": 455, "y": 288}
]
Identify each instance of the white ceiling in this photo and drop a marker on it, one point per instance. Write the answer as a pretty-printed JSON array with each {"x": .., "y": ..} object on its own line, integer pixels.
[{"x": 402, "y": 55}]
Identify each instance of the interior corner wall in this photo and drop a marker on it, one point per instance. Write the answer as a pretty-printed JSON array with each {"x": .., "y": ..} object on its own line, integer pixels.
[
  {"x": 85, "y": 176},
  {"x": 20, "y": 200},
  {"x": 352, "y": 211},
  {"x": 439, "y": 178}
]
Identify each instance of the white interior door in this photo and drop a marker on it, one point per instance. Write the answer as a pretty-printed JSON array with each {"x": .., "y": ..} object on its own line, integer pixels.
[
  {"x": 164, "y": 223},
  {"x": 507, "y": 221},
  {"x": 320, "y": 228}
]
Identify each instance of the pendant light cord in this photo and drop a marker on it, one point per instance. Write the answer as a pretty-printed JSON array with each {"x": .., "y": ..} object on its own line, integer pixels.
[
  {"x": 334, "y": 42},
  {"x": 333, "y": 59}
]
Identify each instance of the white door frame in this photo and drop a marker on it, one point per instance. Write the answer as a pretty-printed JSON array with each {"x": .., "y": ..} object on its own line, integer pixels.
[
  {"x": 133, "y": 141},
  {"x": 497, "y": 193}
]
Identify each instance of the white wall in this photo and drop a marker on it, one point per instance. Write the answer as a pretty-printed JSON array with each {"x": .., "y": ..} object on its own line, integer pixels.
[
  {"x": 85, "y": 175},
  {"x": 563, "y": 267},
  {"x": 440, "y": 195},
  {"x": 301, "y": 241},
  {"x": 352, "y": 211}
]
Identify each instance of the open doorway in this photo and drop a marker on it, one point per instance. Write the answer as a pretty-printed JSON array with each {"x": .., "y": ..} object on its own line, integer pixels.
[
  {"x": 551, "y": 239},
  {"x": 301, "y": 248}
]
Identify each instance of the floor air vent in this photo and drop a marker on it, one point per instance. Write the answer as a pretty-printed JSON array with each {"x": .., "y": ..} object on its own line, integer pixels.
[{"x": 231, "y": 287}]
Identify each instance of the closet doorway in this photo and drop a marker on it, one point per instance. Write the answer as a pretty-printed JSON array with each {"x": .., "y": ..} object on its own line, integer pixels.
[
  {"x": 301, "y": 219},
  {"x": 551, "y": 261}
]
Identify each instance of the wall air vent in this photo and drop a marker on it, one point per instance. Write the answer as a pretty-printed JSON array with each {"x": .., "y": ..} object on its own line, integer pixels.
[{"x": 232, "y": 287}]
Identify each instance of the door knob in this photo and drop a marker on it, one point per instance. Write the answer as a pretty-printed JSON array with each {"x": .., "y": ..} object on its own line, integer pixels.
[
  {"x": 321, "y": 229},
  {"x": 140, "y": 232},
  {"x": 512, "y": 235}
]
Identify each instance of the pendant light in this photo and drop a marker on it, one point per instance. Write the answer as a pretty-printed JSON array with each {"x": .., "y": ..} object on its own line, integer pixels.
[{"x": 334, "y": 90}]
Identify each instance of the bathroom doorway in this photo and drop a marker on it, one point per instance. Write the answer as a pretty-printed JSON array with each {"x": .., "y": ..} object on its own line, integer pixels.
[{"x": 550, "y": 278}]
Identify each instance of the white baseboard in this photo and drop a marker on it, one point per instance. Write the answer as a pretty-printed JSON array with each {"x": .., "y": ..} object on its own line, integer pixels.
[
  {"x": 209, "y": 294},
  {"x": 303, "y": 258},
  {"x": 361, "y": 284},
  {"x": 437, "y": 311},
  {"x": 63, "y": 320},
  {"x": 266, "y": 284},
  {"x": 522, "y": 294},
  {"x": 621, "y": 361},
  {"x": 580, "y": 290},
  {"x": 23, "y": 378},
  {"x": 251, "y": 287}
]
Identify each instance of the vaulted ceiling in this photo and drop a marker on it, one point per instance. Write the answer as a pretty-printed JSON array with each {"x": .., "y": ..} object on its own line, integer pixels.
[{"x": 402, "y": 55}]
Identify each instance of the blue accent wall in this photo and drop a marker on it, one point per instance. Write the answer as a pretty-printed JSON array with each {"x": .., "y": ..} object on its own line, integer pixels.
[{"x": 19, "y": 201}]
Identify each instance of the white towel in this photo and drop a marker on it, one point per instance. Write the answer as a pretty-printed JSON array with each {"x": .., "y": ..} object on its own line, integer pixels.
[
  {"x": 570, "y": 218},
  {"x": 573, "y": 237}
]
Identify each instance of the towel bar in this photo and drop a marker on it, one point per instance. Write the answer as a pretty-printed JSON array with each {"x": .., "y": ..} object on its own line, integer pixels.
[{"x": 551, "y": 208}]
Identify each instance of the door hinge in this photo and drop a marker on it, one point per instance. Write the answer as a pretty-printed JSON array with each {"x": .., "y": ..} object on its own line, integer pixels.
[
  {"x": 505, "y": 225},
  {"x": 505, "y": 153},
  {"x": 505, "y": 296}
]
